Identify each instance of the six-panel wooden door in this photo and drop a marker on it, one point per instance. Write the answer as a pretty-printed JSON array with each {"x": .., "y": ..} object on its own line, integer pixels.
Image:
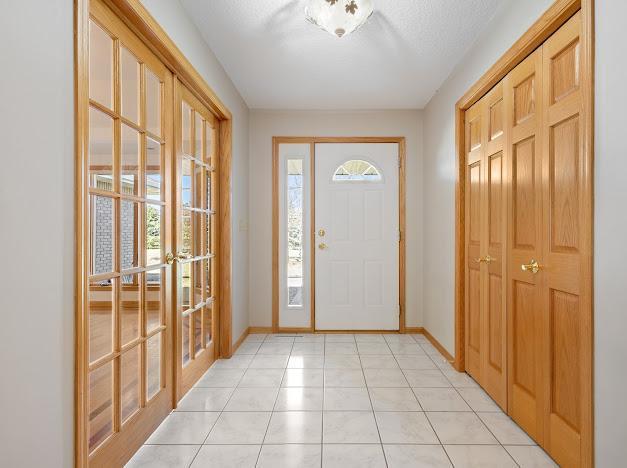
[
  {"x": 485, "y": 240},
  {"x": 528, "y": 230}
]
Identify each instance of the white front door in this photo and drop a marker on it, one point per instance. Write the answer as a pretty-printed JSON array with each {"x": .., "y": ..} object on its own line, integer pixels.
[{"x": 357, "y": 236}]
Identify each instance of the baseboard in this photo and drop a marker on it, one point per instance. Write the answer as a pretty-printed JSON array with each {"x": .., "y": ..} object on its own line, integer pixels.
[
  {"x": 438, "y": 346},
  {"x": 259, "y": 330},
  {"x": 240, "y": 340},
  {"x": 418, "y": 330}
]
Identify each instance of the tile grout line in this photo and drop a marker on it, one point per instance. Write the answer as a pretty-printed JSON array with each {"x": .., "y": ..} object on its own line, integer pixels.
[{"x": 219, "y": 415}]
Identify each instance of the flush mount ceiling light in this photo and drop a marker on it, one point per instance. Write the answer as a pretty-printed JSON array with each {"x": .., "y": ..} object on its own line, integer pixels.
[{"x": 339, "y": 17}]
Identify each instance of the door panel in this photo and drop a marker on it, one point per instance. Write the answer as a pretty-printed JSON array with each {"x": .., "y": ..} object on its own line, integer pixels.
[
  {"x": 357, "y": 236},
  {"x": 128, "y": 390},
  {"x": 196, "y": 182},
  {"x": 523, "y": 97},
  {"x": 485, "y": 214},
  {"x": 565, "y": 219}
]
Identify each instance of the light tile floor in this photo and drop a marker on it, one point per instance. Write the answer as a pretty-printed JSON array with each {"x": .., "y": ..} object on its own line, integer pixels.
[{"x": 337, "y": 400}]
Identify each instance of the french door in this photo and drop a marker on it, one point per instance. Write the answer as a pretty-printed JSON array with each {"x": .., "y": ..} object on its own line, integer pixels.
[
  {"x": 196, "y": 239},
  {"x": 126, "y": 388}
]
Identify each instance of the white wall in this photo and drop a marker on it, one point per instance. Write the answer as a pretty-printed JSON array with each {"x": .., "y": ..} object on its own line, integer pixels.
[
  {"x": 266, "y": 124},
  {"x": 610, "y": 232},
  {"x": 37, "y": 234},
  {"x": 171, "y": 16},
  {"x": 508, "y": 24},
  {"x": 610, "y": 301}
]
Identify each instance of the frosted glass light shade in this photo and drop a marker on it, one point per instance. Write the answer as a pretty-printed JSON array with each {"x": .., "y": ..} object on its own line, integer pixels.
[{"x": 339, "y": 17}]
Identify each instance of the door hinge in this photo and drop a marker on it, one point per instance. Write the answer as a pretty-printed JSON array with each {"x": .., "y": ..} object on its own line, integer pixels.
[{"x": 400, "y": 235}]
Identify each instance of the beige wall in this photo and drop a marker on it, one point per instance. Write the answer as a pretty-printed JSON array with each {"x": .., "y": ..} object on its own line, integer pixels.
[
  {"x": 508, "y": 24},
  {"x": 266, "y": 124},
  {"x": 37, "y": 234},
  {"x": 171, "y": 16}
]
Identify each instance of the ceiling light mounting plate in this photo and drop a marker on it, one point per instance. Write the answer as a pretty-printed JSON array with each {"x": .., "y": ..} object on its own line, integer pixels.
[{"x": 339, "y": 17}]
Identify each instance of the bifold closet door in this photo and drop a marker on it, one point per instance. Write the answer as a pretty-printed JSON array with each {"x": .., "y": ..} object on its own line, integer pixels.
[
  {"x": 485, "y": 214},
  {"x": 566, "y": 240},
  {"x": 549, "y": 303},
  {"x": 526, "y": 320}
]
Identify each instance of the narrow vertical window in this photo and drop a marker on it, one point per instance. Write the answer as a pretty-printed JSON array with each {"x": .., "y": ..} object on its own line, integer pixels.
[{"x": 295, "y": 232}]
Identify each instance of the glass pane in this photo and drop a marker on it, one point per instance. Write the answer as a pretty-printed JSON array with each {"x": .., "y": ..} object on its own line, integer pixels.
[
  {"x": 356, "y": 170},
  {"x": 131, "y": 371},
  {"x": 186, "y": 182},
  {"x": 207, "y": 324},
  {"x": 100, "y": 150},
  {"x": 130, "y": 160},
  {"x": 154, "y": 216},
  {"x": 129, "y": 85},
  {"x": 209, "y": 284},
  {"x": 100, "y": 405},
  {"x": 184, "y": 284},
  {"x": 209, "y": 202},
  {"x": 129, "y": 230},
  {"x": 186, "y": 129},
  {"x": 206, "y": 279},
  {"x": 102, "y": 234},
  {"x": 153, "y": 300},
  {"x": 210, "y": 249},
  {"x": 199, "y": 172},
  {"x": 186, "y": 231},
  {"x": 209, "y": 143},
  {"x": 153, "y": 103},
  {"x": 153, "y": 169},
  {"x": 130, "y": 300},
  {"x": 185, "y": 340},
  {"x": 295, "y": 232},
  {"x": 154, "y": 382},
  {"x": 100, "y": 303},
  {"x": 197, "y": 283},
  {"x": 198, "y": 135},
  {"x": 197, "y": 331},
  {"x": 100, "y": 65},
  {"x": 199, "y": 230}
]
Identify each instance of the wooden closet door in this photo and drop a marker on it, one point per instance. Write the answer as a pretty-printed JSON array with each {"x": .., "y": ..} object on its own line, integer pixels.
[
  {"x": 565, "y": 300},
  {"x": 526, "y": 319},
  {"x": 474, "y": 220},
  {"x": 494, "y": 234},
  {"x": 485, "y": 238}
]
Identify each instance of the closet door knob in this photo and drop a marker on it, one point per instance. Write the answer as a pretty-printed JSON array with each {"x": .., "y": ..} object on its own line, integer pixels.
[{"x": 532, "y": 267}]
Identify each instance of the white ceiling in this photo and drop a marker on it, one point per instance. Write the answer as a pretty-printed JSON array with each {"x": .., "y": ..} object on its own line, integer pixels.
[{"x": 397, "y": 60}]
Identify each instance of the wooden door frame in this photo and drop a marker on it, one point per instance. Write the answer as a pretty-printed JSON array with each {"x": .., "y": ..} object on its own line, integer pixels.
[
  {"x": 137, "y": 18},
  {"x": 278, "y": 140},
  {"x": 550, "y": 21}
]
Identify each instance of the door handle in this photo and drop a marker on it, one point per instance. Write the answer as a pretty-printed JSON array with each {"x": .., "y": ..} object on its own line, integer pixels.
[
  {"x": 532, "y": 267},
  {"x": 322, "y": 246},
  {"x": 170, "y": 258},
  {"x": 486, "y": 259},
  {"x": 322, "y": 232}
]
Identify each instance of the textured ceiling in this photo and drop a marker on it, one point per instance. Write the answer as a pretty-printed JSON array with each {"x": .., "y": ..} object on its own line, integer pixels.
[{"x": 397, "y": 60}]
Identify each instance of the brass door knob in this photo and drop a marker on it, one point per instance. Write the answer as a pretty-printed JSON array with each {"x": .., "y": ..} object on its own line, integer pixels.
[
  {"x": 322, "y": 246},
  {"x": 322, "y": 232},
  {"x": 532, "y": 266},
  {"x": 170, "y": 258}
]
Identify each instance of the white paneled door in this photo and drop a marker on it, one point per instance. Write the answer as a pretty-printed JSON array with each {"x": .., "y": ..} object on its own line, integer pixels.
[{"x": 357, "y": 236}]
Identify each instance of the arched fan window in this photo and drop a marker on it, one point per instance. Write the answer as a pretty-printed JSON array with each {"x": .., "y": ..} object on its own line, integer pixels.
[{"x": 356, "y": 170}]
